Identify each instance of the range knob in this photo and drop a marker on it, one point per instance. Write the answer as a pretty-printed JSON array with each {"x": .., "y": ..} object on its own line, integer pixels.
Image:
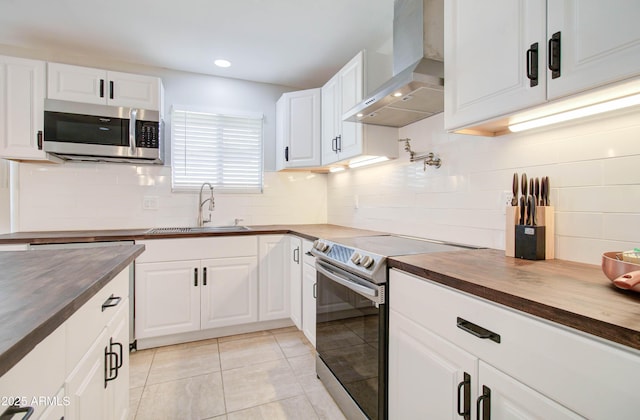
[
  {"x": 367, "y": 261},
  {"x": 356, "y": 258},
  {"x": 320, "y": 246}
]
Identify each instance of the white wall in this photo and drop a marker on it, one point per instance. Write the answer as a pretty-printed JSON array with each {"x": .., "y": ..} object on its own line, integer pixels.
[{"x": 594, "y": 169}]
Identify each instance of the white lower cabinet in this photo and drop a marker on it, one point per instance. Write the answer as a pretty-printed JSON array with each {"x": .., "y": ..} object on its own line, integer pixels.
[
  {"x": 192, "y": 284},
  {"x": 81, "y": 370},
  {"x": 518, "y": 366},
  {"x": 424, "y": 372},
  {"x": 229, "y": 292},
  {"x": 309, "y": 293},
  {"x": 274, "y": 284},
  {"x": 295, "y": 277}
]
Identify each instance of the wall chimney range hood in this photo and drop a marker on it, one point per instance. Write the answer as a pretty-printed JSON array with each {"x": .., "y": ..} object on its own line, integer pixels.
[{"x": 416, "y": 90}]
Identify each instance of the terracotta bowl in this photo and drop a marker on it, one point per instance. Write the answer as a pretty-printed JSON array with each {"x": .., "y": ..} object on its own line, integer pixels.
[{"x": 624, "y": 275}]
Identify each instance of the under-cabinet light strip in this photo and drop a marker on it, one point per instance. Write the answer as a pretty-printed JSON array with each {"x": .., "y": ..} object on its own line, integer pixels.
[{"x": 586, "y": 111}]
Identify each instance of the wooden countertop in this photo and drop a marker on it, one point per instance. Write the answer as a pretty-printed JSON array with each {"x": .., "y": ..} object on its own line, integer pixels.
[
  {"x": 311, "y": 232},
  {"x": 577, "y": 295},
  {"x": 40, "y": 290}
]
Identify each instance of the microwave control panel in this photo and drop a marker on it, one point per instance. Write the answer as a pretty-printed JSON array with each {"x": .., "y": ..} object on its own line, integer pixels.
[{"x": 148, "y": 134}]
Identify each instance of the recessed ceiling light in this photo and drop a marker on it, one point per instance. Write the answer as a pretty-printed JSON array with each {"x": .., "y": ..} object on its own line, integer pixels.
[
  {"x": 222, "y": 63},
  {"x": 397, "y": 94}
]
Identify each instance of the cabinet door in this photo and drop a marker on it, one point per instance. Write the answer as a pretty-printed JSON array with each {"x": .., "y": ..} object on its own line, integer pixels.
[
  {"x": 274, "y": 286},
  {"x": 118, "y": 389},
  {"x": 330, "y": 100},
  {"x": 425, "y": 372},
  {"x": 301, "y": 128},
  {"x": 21, "y": 108},
  {"x": 295, "y": 277},
  {"x": 351, "y": 93},
  {"x": 85, "y": 386},
  {"x": 167, "y": 298},
  {"x": 510, "y": 399},
  {"x": 600, "y": 43},
  {"x": 486, "y": 49},
  {"x": 309, "y": 302},
  {"x": 55, "y": 410},
  {"x": 229, "y": 292},
  {"x": 132, "y": 90},
  {"x": 78, "y": 84}
]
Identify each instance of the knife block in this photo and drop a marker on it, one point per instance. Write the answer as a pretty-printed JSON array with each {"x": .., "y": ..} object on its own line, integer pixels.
[
  {"x": 530, "y": 242},
  {"x": 545, "y": 216}
]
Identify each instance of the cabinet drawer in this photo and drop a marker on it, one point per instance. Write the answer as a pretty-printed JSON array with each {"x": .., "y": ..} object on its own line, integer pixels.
[
  {"x": 583, "y": 373},
  {"x": 88, "y": 322},
  {"x": 27, "y": 380},
  {"x": 161, "y": 250}
]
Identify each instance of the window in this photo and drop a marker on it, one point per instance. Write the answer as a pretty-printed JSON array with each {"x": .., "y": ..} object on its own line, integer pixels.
[{"x": 222, "y": 149}]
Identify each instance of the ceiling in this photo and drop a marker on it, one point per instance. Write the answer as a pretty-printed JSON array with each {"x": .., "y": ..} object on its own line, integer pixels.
[{"x": 296, "y": 43}]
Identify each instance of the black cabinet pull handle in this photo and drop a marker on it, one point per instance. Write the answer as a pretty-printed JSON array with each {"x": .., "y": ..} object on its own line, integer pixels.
[
  {"x": 308, "y": 253},
  {"x": 110, "y": 89},
  {"x": 195, "y": 277},
  {"x": 119, "y": 355},
  {"x": 477, "y": 330},
  {"x": 296, "y": 255},
  {"x": 464, "y": 396},
  {"x": 286, "y": 154},
  {"x": 111, "y": 302},
  {"x": 39, "y": 139},
  {"x": 339, "y": 143},
  {"x": 14, "y": 409},
  {"x": 334, "y": 144},
  {"x": 315, "y": 290},
  {"x": 484, "y": 402},
  {"x": 532, "y": 64},
  {"x": 102, "y": 88},
  {"x": 110, "y": 367},
  {"x": 204, "y": 276},
  {"x": 554, "y": 55}
]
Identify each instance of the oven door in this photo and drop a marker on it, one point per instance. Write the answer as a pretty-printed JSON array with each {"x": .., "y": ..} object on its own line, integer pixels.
[{"x": 351, "y": 338}]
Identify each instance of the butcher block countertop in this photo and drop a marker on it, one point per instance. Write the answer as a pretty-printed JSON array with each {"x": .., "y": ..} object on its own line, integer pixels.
[
  {"x": 40, "y": 290},
  {"x": 310, "y": 232},
  {"x": 572, "y": 294}
]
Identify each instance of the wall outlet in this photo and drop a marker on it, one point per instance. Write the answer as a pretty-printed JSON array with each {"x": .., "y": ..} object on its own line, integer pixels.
[
  {"x": 505, "y": 201},
  {"x": 150, "y": 202}
]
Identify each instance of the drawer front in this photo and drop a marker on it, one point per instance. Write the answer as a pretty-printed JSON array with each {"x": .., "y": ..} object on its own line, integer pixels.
[
  {"x": 88, "y": 322},
  {"x": 159, "y": 250},
  {"x": 306, "y": 247},
  {"x": 582, "y": 372}
]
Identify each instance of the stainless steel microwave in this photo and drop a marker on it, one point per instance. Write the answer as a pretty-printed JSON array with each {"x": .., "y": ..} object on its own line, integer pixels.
[{"x": 89, "y": 132}]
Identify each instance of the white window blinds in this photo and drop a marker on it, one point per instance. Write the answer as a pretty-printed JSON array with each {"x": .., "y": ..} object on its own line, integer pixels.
[{"x": 224, "y": 150}]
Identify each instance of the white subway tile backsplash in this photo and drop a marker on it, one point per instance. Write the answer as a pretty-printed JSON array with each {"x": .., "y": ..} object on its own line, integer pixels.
[{"x": 592, "y": 165}]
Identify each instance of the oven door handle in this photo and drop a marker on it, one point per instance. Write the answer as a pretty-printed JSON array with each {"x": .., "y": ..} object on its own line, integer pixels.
[{"x": 374, "y": 293}]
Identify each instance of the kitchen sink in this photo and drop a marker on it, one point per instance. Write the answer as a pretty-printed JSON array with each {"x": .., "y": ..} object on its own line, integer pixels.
[{"x": 197, "y": 229}]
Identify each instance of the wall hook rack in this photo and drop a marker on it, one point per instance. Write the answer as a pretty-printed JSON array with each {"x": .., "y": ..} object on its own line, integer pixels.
[{"x": 429, "y": 159}]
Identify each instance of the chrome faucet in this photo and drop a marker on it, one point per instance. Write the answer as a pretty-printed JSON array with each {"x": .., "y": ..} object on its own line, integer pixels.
[{"x": 201, "y": 221}]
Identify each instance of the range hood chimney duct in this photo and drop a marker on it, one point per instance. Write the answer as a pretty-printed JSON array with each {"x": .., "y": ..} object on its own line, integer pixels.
[{"x": 416, "y": 90}]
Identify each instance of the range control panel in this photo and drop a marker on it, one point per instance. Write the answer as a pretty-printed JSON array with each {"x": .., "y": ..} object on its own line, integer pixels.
[{"x": 361, "y": 261}]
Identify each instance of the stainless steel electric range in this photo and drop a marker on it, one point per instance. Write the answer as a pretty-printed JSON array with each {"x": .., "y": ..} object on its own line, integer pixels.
[{"x": 352, "y": 317}]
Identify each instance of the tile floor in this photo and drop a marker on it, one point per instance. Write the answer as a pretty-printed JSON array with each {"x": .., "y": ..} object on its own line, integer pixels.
[{"x": 263, "y": 375}]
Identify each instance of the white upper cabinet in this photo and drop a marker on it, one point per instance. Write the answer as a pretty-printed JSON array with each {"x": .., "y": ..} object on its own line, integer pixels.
[
  {"x": 599, "y": 43},
  {"x": 505, "y": 56},
  {"x": 298, "y": 129},
  {"x": 95, "y": 86},
  {"x": 341, "y": 139},
  {"x": 486, "y": 50},
  {"x": 22, "y": 89}
]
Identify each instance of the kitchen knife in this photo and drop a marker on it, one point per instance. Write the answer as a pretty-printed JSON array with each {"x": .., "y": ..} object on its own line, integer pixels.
[
  {"x": 547, "y": 191},
  {"x": 522, "y": 210},
  {"x": 531, "y": 188},
  {"x": 531, "y": 211},
  {"x": 524, "y": 185},
  {"x": 542, "y": 189},
  {"x": 536, "y": 194},
  {"x": 514, "y": 187}
]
